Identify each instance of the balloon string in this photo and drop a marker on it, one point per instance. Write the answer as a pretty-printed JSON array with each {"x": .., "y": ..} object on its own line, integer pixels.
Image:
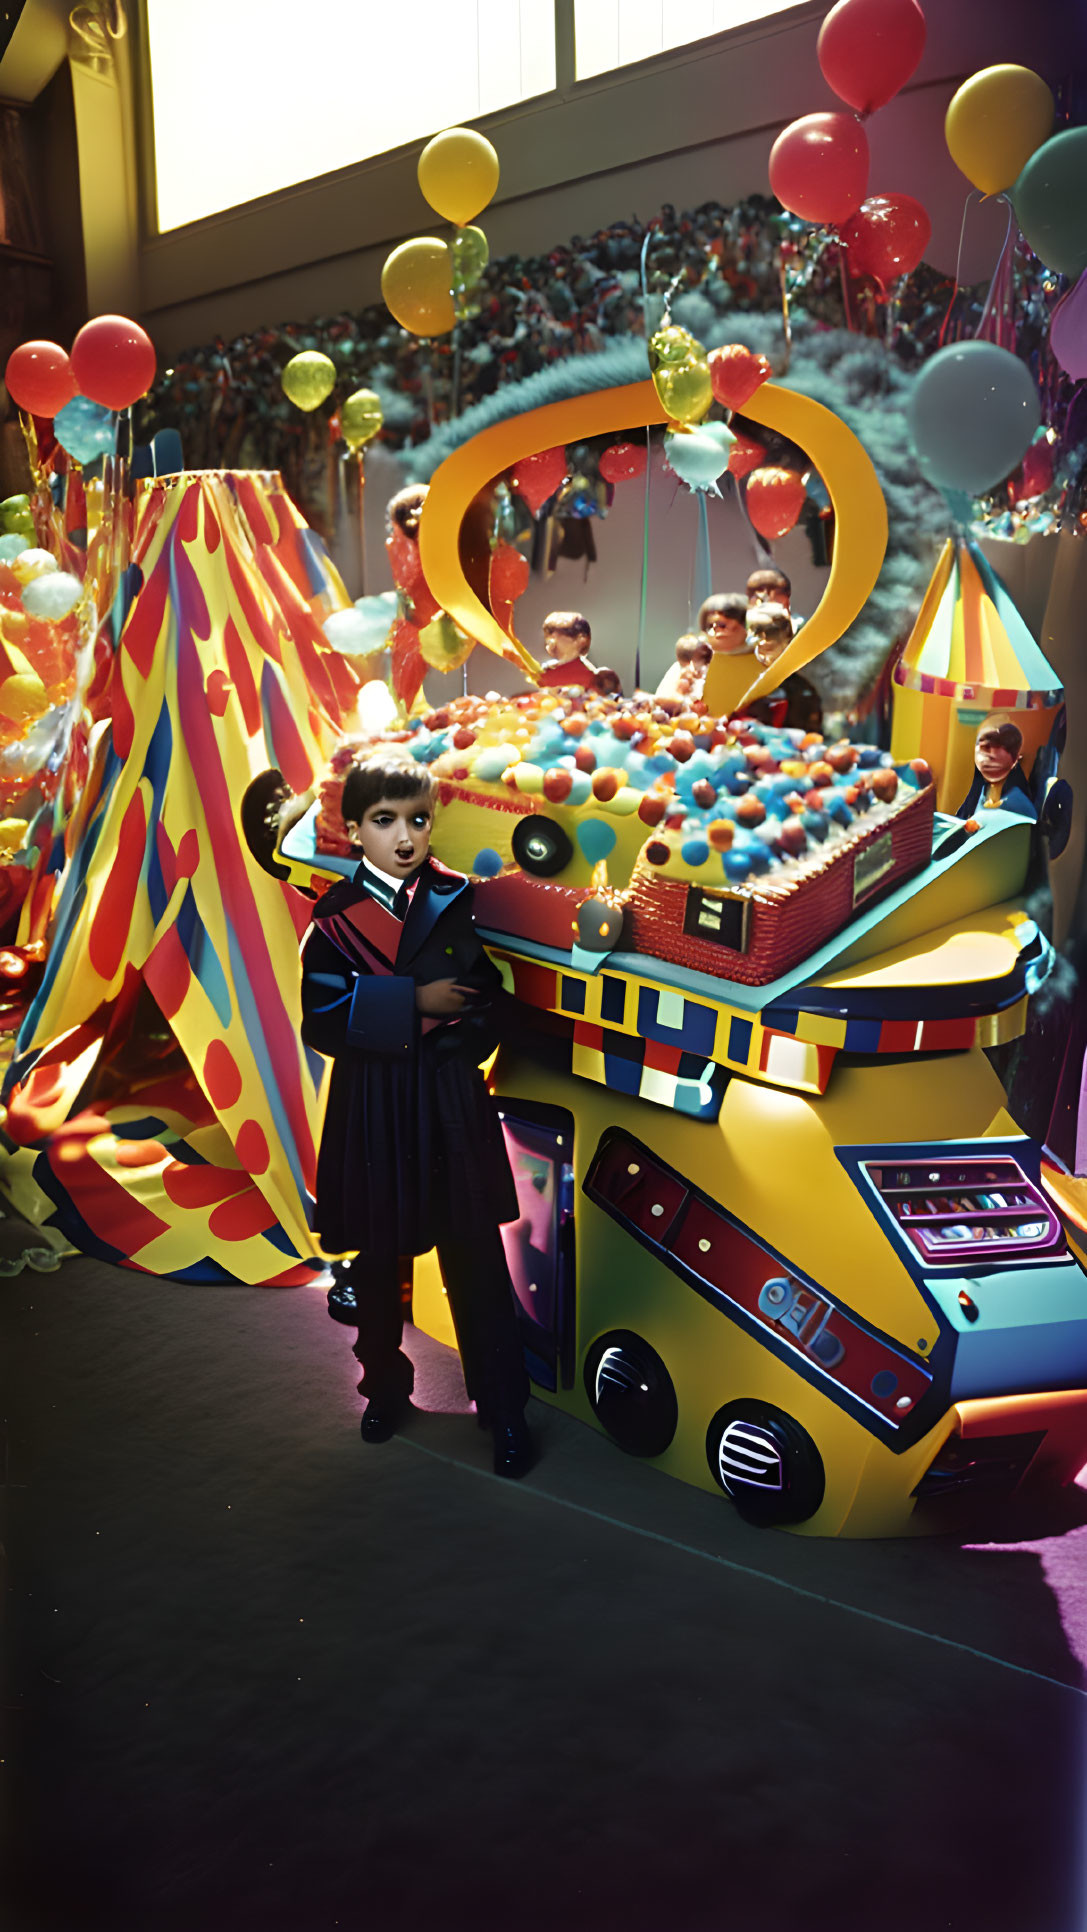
[
  {"x": 644, "y": 596},
  {"x": 703, "y": 562},
  {"x": 997, "y": 316},
  {"x": 360, "y": 458},
  {"x": 958, "y": 266}
]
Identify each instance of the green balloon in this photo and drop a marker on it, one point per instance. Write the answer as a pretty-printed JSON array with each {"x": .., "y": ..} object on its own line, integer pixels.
[
  {"x": 470, "y": 256},
  {"x": 1050, "y": 201}
]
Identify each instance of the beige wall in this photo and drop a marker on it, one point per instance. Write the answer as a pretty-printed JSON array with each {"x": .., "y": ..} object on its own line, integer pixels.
[{"x": 692, "y": 127}]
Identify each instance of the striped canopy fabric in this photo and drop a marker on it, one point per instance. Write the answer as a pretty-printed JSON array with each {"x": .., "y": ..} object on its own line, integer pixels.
[{"x": 164, "y": 1111}]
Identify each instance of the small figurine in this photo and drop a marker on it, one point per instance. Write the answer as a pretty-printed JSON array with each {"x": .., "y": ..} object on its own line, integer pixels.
[
  {"x": 796, "y": 704},
  {"x": 567, "y": 641},
  {"x": 770, "y": 585},
  {"x": 685, "y": 678},
  {"x": 998, "y": 778},
  {"x": 723, "y": 619},
  {"x": 398, "y": 991}
]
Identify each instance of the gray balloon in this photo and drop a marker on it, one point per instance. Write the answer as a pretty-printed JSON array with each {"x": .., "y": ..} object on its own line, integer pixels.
[{"x": 972, "y": 416}]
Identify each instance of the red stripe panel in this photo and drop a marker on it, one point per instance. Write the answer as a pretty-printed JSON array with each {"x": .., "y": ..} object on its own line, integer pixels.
[
  {"x": 536, "y": 985},
  {"x": 662, "y": 1059},
  {"x": 897, "y": 1036},
  {"x": 941, "y": 1035},
  {"x": 587, "y": 1035}
]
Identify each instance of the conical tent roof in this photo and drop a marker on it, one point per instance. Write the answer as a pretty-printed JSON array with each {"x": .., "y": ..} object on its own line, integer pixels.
[
  {"x": 159, "y": 1087},
  {"x": 969, "y": 641}
]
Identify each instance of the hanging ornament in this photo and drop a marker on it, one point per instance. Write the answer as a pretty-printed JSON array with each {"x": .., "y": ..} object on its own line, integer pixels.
[
  {"x": 774, "y": 499},
  {"x": 736, "y": 372}
]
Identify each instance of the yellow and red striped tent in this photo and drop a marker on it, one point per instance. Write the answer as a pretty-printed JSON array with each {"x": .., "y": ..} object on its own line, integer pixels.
[{"x": 969, "y": 653}]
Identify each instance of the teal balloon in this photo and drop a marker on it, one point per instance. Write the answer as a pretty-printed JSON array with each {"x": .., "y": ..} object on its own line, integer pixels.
[
  {"x": 972, "y": 416},
  {"x": 85, "y": 429},
  {"x": 699, "y": 455},
  {"x": 1050, "y": 201},
  {"x": 596, "y": 840}
]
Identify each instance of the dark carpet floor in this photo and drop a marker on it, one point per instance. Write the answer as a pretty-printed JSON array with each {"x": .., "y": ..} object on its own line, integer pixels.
[{"x": 259, "y": 1676}]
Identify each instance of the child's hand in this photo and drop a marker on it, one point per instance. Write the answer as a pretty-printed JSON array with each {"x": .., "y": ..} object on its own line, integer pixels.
[{"x": 440, "y": 999}]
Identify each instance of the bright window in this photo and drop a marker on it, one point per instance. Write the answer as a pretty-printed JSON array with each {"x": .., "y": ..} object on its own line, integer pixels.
[
  {"x": 248, "y": 100},
  {"x": 612, "y": 33}
]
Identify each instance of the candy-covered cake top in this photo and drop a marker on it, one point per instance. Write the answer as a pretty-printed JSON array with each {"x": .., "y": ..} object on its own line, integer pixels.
[{"x": 728, "y": 802}]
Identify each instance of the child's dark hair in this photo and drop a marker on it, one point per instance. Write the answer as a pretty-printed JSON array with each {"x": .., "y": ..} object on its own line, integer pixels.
[
  {"x": 379, "y": 778},
  {"x": 569, "y": 623},
  {"x": 769, "y": 578},
  {"x": 728, "y": 603},
  {"x": 1006, "y": 733}
]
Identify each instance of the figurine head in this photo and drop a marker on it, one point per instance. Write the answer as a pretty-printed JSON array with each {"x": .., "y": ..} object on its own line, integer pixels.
[
  {"x": 388, "y": 810},
  {"x": 769, "y": 586},
  {"x": 723, "y": 620},
  {"x": 402, "y": 511},
  {"x": 567, "y": 635},
  {"x": 770, "y": 627},
  {"x": 997, "y": 748},
  {"x": 694, "y": 652}
]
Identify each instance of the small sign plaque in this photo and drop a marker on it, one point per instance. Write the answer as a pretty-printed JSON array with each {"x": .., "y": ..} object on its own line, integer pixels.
[
  {"x": 717, "y": 916},
  {"x": 872, "y": 865}
]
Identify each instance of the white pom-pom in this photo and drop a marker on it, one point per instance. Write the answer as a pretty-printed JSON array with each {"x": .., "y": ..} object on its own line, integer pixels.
[{"x": 52, "y": 596}]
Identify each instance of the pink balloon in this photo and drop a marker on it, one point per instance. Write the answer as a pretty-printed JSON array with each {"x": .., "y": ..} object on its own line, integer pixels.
[
  {"x": 1068, "y": 329},
  {"x": 869, "y": 48},
  {"x": 819, "y": 167},
  {"x": 887, "y": 236}
]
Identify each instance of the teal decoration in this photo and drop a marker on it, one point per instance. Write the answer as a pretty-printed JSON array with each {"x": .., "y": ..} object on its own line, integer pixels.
[
  {"x": 486, "y": 864},
  {"x": 1050, "y": 203},
  {"x": 699, "y": 455},
  {"x": 596, "y": 840},
  {"x": 85, "y": 429}
]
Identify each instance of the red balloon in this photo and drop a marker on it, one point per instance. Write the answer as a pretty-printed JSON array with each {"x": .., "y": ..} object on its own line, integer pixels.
[
  {"x": 622, "y": 460},
  {"x": 39, "y": 378},
  {"x": 509, "y": 575},
  {"x": 538, "y": 477},
  {"x": 113, "y": 361},
  {"x": 887, "y": 236},
  {"x": 869, "y": 48},
  {"x": 745, "y": 455},
  {"x": 774, "y": 500},
  {"x": 819, "y": 166},
  {"x": 736, "y": 373},
  {"x": 1035, "y": 473}
]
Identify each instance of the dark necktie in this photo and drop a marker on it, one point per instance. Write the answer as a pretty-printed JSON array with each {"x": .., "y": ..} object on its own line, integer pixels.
[{"x": 401, "y": 902}]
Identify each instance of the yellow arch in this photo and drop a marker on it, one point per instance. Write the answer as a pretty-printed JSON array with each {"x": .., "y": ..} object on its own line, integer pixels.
[{"x": 851, "y": 482}]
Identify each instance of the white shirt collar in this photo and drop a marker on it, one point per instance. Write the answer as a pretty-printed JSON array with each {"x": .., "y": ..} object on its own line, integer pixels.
[{"x": 386, "y": 876}]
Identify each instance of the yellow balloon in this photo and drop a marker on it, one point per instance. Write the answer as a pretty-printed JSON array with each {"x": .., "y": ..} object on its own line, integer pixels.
[
  {"x": 685, "y": 388},
  {"x": 443, "y": 643},
  {"x": 995, "y": 122},
  {"x": 415, "y": 283},
  {"x": 360, "y": 418},
  {"x": 308, "y": 379},
  {"x": 458, "y": 173}
]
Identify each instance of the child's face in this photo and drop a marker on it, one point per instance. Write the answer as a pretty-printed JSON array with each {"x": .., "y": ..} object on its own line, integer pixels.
[
  {"x": 768, "y": 647},
  {"x": 726, "y": 634},
  {"x": 563, "y": 646},
  {"x": 992, "y": 758},
  {"x": 769, "y": 594},
  {"x": 394, "y": 835}
]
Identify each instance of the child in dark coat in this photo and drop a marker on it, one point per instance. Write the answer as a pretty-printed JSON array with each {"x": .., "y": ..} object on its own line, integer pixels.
[{"x": 397, "y": 990}]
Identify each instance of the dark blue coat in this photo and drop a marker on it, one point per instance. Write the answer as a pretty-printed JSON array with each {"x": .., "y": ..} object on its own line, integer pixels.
[{"x": 412, "y": 1150}]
